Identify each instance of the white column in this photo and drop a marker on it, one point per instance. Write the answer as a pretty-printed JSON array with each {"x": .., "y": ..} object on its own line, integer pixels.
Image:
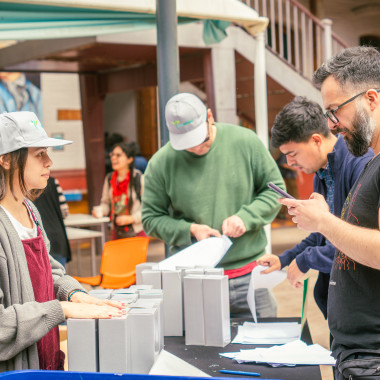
[
  {"x": 224, "y": 78},
  {"x": 260, "y": 90},
  {"x": 327, "y": 23},
  {"x": 261, "y": 106}
]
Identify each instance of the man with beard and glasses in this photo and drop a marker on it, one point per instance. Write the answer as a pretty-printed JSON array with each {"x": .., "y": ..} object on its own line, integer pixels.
[{"x": 350, "y": 84}]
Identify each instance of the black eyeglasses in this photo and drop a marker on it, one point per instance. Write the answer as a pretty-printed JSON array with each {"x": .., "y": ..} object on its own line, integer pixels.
[
  {"x": 208, "y": 134},
  {"x": 117, "y": 155},
  {"x": 330, "y": 114}
]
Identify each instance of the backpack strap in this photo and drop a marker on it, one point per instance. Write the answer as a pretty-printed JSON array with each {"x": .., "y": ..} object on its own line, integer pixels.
[
  {"x": 109, "y": 176},
  {"x": 138, "y": 185}
]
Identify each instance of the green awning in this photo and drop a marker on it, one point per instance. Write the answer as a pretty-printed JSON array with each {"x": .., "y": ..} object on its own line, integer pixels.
[{"x": 35, "y": 21}]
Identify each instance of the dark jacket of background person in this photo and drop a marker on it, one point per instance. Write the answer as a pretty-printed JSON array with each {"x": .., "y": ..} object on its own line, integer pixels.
[
  {"x": 315, "y": 251},
  {"x": 48, "y": 205}
]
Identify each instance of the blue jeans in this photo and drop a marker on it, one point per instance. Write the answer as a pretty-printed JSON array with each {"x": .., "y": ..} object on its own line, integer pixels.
[{"x": 266, "y": 305}]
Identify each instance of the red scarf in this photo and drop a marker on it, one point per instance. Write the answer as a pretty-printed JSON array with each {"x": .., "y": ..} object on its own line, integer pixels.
[{"x": 119, "y": 195}]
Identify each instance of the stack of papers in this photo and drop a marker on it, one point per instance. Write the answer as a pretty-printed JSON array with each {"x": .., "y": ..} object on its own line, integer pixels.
[
  {"x": 260, "y": 280},
  {"x": 207, "y": 253},
  {"x": 268, "y": 333},
  {"x": 290, "y": 354}
]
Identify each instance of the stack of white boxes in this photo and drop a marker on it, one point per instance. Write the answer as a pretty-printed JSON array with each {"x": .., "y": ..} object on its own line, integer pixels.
[
  {"x": 161, "y": 303},
  {"x": 129, "y": 344},
  {"x": 196, "y": 300},
  {"x": 171, "y": 284}
]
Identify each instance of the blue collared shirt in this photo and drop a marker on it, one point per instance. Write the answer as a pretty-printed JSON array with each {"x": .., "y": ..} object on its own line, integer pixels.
[{"x": 326, "y": 175}]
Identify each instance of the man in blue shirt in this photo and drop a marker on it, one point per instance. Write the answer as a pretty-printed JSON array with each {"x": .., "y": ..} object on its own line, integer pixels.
[
  {"x": 17, "y": 93},
  {"x": 301, "y": 133}
]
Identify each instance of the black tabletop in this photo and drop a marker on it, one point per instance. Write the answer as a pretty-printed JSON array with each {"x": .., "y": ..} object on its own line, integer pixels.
[{"x": 209, "y": 361}]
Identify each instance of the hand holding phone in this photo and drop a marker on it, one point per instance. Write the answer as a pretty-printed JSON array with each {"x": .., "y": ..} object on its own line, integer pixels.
[{"x": 283, "y": 193}]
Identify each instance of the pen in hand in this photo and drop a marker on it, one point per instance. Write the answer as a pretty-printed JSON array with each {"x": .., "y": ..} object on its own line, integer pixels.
[{"x": 243, "y": 373}]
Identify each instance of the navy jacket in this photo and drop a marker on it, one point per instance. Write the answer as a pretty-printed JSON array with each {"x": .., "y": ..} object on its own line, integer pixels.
[{"x": 315, "y": 252}]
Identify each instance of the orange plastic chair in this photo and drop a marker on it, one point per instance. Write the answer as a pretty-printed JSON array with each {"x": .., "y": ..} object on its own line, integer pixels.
[{"x": 118, "y": 265}]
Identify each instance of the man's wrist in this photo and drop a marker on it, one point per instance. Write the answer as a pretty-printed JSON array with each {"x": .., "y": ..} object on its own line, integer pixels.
[
  {"x": 326, "y": 221},
  {"x": 193, "y": 228}
]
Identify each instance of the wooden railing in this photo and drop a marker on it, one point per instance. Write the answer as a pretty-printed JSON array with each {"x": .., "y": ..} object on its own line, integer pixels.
[{"x": 297, "y": 36}]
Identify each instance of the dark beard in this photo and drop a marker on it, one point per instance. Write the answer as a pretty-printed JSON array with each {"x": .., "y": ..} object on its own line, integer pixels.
[{"x": 357, "y": 141}]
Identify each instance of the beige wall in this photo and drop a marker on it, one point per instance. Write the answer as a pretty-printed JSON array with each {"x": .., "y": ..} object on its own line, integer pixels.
[
  {"x": 351, "y": 18},
  {"x": 120, "y": 114},
  {"x": 61, "y": 92}
]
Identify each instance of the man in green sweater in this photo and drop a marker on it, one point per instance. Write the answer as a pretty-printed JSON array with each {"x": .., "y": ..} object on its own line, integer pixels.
[{"x": 211, "y": 178}]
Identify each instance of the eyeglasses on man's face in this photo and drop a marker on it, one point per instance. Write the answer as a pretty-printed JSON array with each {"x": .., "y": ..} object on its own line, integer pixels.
[
  {"x": 330, "y": 114},
  {"x": 208, "y": 133}
]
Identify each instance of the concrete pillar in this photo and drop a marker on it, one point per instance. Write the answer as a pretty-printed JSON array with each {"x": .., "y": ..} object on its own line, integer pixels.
[
  {"x": 327, "y": 40},
  {"x": 223, "y": 69},
  {"x": 93, "y": 132},
  {"x": 260, "y": 91},
  {"x": 261, "y": 106},
  {"x": 167, "y": 59}
]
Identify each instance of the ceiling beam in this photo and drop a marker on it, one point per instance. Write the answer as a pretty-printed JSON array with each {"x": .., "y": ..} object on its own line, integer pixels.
[
  {"x": 38, "y": 49},
  {"x": 191, "y": 68}
]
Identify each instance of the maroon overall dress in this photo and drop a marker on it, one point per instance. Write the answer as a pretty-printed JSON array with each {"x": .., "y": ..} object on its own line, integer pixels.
[{"x": 49, "y": 354}]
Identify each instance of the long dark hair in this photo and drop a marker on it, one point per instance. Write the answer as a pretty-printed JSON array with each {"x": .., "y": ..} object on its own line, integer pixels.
[
  {"x": 17, "y": 161},
  {"x": 130, "y": 150}
]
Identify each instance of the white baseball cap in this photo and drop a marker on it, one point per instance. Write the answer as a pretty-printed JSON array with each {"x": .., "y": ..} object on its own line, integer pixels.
[
  {"x": 24, "y": 130},
  {"x": 186, "y": 116}
]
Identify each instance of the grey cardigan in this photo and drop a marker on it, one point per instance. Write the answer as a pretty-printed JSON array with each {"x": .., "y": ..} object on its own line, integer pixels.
[{"x": 23, "y": 321}]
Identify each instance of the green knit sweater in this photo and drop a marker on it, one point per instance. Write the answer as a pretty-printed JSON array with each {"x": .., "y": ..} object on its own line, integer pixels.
[{"x": 182, "y": 188}]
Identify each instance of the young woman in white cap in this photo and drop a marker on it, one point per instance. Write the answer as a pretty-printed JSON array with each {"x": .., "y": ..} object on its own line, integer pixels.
[{"x": 35, "y": 293}]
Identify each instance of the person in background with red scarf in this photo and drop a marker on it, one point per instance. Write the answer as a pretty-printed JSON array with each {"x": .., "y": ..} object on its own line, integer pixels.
[{"x": 121, "y": 197}]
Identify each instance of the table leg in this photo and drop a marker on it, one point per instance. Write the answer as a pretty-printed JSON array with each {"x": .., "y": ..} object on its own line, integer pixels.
[
  {"x": 78, "y": 257},
  {"x": 104, "y": 232},
  {"x": 93, "y": 257}
]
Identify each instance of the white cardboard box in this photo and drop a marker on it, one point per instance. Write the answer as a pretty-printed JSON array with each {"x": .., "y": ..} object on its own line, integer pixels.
[
  {"x": 173, "y": 304},
  {"x": 139, "y": 287},
  {"x": 144, "y": 343},
  {"x": 124, "y": 291},
  {"x": 216, "y": 306},
  {"x": 214, "y": 271},
  {"x": 151, "y": 293},
  {"x": 141, "y": 267},
  {"x": 152, "y": 277},
  {"x": 82, "y": 345},
  {"x": 198, "y": 271},
  {"x": 113, "y": 345},
  {"x": 126, "y": 298},
  {"x": 193, "y": 306},
  {"x": 150, "y": 303},
  {"x": 104, "y": 294},
  {"x": 156, "y": 295}
]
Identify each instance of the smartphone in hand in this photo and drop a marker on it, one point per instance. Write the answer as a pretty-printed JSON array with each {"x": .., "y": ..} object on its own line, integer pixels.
[{"x": 283, "y": 193}]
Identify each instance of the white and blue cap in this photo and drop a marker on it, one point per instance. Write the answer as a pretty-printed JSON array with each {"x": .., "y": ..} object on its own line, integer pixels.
[
  {"x": 24, "y": 130},
  {"x": 186, "y": 118}
]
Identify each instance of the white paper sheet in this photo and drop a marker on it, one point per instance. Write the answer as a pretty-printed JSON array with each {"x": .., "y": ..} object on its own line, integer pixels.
[
  {"x": 207, "y": 252},
  {"x": 294, "y": 353},
  {"x": 168, "y": 364},
  {"x": 258, "y": 281},
  {"x": 268, "y": 333}
]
